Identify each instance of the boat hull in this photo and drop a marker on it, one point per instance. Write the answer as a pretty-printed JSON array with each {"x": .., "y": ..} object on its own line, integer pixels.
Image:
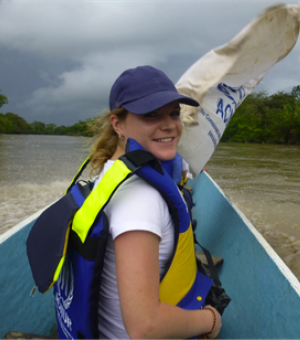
[
  {"x": 265, "y": 294},
  {"x": 18, "y": 310}
]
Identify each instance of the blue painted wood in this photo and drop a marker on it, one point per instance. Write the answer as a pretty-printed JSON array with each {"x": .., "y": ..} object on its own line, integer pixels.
[
  {"x": 19, "y": 311},
  {"x": 264, "y": 304}
]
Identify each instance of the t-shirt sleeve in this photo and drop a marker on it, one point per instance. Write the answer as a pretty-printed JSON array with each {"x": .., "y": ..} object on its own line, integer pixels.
[
  {"x": 185, "y": 165},
  {"x": 136, "y": 206}
]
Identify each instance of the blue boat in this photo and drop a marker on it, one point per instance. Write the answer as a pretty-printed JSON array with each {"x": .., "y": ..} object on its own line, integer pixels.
[{"x": 265, "y": 294}]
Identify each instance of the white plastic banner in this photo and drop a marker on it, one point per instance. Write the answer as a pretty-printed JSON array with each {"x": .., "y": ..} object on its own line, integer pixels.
[{"x": 222, "y": 78}]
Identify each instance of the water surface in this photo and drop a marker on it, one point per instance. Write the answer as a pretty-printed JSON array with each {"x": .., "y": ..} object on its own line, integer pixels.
[
  {"x": 35, "y": 171},
  {"x": 264, "y": 182}
]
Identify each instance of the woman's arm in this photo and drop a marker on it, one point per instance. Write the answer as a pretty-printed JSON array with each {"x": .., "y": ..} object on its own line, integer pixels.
[{"x": 144, "y": 316}]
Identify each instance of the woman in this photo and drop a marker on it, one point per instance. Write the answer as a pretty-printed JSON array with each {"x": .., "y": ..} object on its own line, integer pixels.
[{"x": 145, "y": 106}]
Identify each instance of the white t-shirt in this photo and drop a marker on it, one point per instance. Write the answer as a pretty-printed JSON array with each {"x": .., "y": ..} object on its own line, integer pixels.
[
  {"x": 136, "y": 205},
  {"x": 185, "y": 166}
]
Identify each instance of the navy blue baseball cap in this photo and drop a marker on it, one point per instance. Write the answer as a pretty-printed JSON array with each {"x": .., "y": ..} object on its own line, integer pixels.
[{"x": 145, "y": 89}]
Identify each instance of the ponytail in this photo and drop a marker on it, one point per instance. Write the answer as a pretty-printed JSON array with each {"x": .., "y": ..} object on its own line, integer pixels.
[{"x": 107, "y": 140}]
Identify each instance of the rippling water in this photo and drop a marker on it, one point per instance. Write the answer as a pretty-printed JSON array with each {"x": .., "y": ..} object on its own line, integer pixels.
[
  {"x": 262, "y": 180},
  {"x": 35, "y": 171}
]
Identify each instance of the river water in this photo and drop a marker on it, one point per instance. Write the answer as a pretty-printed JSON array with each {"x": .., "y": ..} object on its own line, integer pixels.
[
  {"x": 262, "y": 180},
  {"x": 35, "y": 171}
]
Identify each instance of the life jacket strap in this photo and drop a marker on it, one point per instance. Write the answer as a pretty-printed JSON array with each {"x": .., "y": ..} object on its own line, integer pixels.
[
  {"x": 210, "y": 262},
  {"x": 78, "y": 174},
  {"x": 135, "y": 159}
]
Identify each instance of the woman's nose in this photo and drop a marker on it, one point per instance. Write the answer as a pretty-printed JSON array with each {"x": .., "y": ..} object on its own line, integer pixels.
[{"x": 167, "y": 122}]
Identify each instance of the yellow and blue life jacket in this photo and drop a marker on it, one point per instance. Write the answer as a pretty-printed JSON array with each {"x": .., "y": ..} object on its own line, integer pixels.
[{"x": 80, "y": 245}]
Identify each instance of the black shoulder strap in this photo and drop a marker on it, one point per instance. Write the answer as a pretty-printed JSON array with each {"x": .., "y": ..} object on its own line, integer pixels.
[
  {"x": 137, "y": 158},
  {"x": 79, "y": 172},
  {"x": 132, "y": 159},
  {"x": 210, "y": 262}
]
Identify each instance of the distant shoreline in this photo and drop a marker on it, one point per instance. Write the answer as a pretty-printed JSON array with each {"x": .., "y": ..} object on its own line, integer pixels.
[{"x": 260, "y": 119}]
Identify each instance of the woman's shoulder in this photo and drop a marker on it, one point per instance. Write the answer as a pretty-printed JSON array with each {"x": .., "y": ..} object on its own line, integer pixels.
[
  {"x": 136, "y": 186},
  {"x": 134, "y": 189},
  {"x": 137, "y": 205}
]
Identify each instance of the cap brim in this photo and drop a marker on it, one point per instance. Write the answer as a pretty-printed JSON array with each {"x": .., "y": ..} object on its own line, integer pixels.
[{"x": 157, "y": 100}]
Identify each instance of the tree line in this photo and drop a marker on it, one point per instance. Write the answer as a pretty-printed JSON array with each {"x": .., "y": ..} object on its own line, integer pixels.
[
  {"x": 271, "y": 119},
  {"x": 11, "y": 123},
  {"x": 259, "y": 119},
  {"x": 14, "y": 124}
]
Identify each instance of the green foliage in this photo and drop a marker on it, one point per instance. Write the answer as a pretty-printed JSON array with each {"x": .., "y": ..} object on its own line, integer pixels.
[
  {"x": 79, "y": 129},
  {"x": 3, "y": 100},
  {"x": 19, "y": 124},
  {"x": 60, "y": 130},
  {"x": 38, "y": 128},
  {"x": 6, "y": 126},
  {"x": 12, "y": 123},
  {"x": 266, "y": 119},
  {"x": 296, "y": 92}
]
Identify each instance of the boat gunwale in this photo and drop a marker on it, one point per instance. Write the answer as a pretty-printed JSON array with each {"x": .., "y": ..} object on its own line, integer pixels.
[{"x": 285, "y": 270}]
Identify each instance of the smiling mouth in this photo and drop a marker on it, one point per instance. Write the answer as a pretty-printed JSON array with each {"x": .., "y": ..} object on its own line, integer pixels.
[{"x": 164, "y": 140}]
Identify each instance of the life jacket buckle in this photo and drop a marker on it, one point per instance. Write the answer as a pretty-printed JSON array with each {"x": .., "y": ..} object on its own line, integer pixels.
[{"x": 133, "y": 168}]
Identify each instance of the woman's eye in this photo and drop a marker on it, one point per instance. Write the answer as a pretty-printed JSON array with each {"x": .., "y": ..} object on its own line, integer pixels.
[
  {"x": 150, "y": 115},
  {"x": 175, "y": 113},
  {"x": 154, "y": 114}
]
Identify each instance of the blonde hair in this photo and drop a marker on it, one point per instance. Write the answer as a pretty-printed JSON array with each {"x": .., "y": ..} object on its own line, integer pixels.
[{"x": 107, "y": 140}]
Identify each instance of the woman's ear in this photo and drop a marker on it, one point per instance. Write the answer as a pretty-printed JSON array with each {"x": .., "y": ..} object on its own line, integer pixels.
[{"x": 116, "y": 124}]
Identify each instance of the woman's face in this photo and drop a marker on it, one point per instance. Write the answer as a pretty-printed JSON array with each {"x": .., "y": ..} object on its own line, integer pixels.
[{"x": 158, "y": 132}]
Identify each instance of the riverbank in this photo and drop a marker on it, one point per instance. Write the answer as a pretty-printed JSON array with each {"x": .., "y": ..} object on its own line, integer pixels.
[{"x": 260, "y": 118}]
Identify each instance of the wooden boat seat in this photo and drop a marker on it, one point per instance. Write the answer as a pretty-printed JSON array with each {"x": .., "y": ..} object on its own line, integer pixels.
[
  {"x": 23, "y": 335},
  {"x": 216, "y": 260}
]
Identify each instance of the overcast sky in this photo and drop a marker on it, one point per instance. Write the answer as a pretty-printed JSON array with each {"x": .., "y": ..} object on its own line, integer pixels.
[{"x": 58, "y": 59}]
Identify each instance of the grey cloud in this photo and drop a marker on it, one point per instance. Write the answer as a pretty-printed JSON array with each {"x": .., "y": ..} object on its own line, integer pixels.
[
  {"x": 71, "y": 52},
  {"x": 66, "y": 29}
]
